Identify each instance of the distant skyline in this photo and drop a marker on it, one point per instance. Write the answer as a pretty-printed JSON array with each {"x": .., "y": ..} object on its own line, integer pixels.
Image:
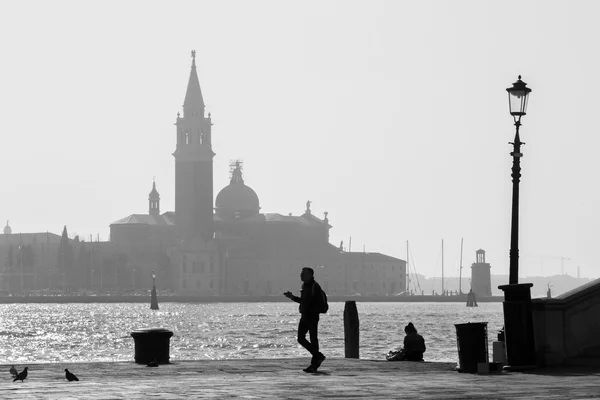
[{"x": 392, "y": 116}]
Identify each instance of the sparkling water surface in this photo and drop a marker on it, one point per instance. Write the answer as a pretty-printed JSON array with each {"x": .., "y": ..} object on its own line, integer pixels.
[{"x": 62, "y": 333}]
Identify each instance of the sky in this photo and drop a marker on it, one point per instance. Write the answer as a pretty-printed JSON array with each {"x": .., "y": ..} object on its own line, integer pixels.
[{"x": 392, "y": 116}]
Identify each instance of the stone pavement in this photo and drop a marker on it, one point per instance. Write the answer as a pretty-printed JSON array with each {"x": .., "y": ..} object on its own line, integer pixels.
[{"x": 338, "y": 378}]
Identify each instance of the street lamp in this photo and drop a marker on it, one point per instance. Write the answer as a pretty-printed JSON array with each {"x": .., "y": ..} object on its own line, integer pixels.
[
  {"x": 518, "y": 96},
  {"x": 518, "y": 319},
  {"x": 21, "y": 261},
  {"x": 153, "y": 297}
]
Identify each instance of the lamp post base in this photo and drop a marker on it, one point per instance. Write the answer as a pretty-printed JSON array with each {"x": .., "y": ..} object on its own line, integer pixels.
[
  {"x": 518, "y": 327},
  {"x": 153, "y": 300}
]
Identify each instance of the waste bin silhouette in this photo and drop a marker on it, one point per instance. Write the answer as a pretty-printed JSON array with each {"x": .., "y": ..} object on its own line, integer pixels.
[
  {"x": 472, "y": 343},
  {"x": 151, "y": 344}
]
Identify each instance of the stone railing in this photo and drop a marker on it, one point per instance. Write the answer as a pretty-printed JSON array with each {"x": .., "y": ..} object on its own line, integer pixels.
[{"x": 567, "y": 328}]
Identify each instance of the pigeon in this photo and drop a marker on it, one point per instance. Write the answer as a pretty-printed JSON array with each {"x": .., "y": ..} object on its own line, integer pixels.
[
  {"x": 21, "y": 375},
  {"x": 70, "y": 376},
  {"x": 13, "y": 371},
  {"x": 153, "y": 363}
]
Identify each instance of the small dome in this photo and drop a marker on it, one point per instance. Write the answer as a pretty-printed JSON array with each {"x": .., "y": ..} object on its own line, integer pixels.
[
  {"x": 237, "y": 200},
  {"x": 7, "y": 229}
]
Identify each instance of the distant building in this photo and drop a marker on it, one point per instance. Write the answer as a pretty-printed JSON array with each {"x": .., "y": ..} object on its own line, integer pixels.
[
  {"x": 481, "y": 281},
  {"x": 233, "y": 248},
  {"x": 29, "y": 261}
]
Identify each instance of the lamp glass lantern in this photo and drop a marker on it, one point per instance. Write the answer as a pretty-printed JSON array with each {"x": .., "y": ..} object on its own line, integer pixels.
[{"x": 518, "y": 96}]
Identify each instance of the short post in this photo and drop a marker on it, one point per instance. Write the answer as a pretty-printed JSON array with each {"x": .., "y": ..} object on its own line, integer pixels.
[{"x": 351, "y": 331}]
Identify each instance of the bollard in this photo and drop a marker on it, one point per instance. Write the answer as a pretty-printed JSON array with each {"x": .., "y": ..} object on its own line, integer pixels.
[
  {"x": 151, "y": 344},
  {"x": 351, "y": 330}
]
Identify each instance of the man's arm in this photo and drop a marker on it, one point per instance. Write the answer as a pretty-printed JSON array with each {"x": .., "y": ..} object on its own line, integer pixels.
[{"x": 290, "y": 296}]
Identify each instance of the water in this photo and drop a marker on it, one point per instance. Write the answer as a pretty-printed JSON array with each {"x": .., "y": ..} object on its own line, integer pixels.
[{"x": 50, "y": 333}]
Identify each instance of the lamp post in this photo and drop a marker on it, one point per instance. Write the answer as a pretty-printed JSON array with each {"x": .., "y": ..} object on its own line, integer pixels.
[
  {"x": 518, "y": 321},
  {"x": 518, "y": 96},
  {"x": 21, "y": 262},
  {"x": 153, "y": 298}
]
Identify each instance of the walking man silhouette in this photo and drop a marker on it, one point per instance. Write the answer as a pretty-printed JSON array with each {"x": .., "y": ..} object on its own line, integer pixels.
[{"x": 310, "y": 296}]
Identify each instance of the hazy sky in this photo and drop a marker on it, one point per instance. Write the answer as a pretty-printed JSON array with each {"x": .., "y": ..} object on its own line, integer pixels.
[{"x": 390, "y": 115}]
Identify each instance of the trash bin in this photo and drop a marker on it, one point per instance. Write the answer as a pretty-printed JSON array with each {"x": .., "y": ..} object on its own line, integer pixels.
[
  {"x": 472, "y": 343},
  {"x": 151, "y": 344}
]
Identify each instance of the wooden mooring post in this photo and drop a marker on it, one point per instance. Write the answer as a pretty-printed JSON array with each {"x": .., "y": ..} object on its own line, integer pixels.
[{"x": 351, "y": 331}]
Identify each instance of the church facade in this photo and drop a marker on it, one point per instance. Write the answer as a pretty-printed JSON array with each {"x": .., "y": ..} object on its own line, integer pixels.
[{"x": 230, "y": 247}]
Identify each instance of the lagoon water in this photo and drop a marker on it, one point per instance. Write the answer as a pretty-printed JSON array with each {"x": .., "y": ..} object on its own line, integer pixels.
[{"x": 67, "y": 333}]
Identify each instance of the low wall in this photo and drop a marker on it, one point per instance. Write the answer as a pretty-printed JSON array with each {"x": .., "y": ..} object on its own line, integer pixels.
[{"x": 567, "y": 328}]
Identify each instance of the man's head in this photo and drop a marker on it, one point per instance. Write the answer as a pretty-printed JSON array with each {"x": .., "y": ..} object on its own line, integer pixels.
[{"x": 307, "y": 274}]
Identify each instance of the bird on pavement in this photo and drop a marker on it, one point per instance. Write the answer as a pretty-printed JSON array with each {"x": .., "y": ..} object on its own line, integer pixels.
[
  {"x": 13, "y": 371},
  {"x": 21, "y": 375},
  {"x": 70, "y": 376}
]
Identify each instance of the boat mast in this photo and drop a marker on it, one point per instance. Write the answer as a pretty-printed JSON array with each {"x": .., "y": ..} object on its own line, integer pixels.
[
  {"x": 460, "y": 270},
  {"x": 407, "y": 270},
  {"x": 442, "y": 267}
]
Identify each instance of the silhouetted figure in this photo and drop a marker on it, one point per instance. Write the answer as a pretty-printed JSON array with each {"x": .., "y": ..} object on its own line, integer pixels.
[
  {"x": 13, "y": 371},
  {"x": 414, "y": 344},
  {"x": 153, "y": 363},
  {"x": 471, "y": 300},
  {"x": 310, "y": 298},
  {"x": 70, "y": 376},
  {"x": 21, "y": 375}
]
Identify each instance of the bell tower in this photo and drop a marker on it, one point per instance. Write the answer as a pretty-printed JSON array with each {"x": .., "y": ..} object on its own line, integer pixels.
[{"x": 193, "y": 166}]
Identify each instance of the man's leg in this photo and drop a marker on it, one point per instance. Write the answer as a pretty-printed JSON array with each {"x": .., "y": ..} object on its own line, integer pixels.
[
  {"x": 313, "y": 328},
  {"x": 304, "y": 326}
]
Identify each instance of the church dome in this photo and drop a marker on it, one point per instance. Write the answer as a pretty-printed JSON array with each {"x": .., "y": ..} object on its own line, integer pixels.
[
  {"x": 237, "y": 200},
  {"x": 7, "y": 229}
]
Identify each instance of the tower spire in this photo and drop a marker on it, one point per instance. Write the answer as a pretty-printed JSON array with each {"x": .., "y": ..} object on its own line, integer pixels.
[
  {"x": 154, "y": 200},
  {"x": 193, "y": 103}
]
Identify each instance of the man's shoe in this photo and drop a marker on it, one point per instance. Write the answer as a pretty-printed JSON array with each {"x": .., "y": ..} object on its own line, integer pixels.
[
  {"x": 310, "y": 369},
  {"x": 320, "y": 360}
]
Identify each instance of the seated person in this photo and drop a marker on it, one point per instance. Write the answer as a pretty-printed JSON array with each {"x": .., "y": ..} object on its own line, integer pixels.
[{"x": 414, "y": 344}]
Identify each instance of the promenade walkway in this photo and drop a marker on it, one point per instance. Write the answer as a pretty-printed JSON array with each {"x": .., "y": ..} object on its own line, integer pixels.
[{"x": 284, "y": 379}]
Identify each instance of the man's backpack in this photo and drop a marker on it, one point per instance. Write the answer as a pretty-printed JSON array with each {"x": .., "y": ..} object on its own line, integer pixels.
[{"x": 322, "y": 304}]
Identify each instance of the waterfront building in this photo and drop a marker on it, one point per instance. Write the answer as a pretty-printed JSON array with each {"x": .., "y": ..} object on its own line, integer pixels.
[
  {"x": 45, "y": 262},
  {"x": 229, "y": 247}
]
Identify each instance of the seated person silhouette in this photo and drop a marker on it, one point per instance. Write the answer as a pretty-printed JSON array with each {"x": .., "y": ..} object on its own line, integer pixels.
[{"x": 414, "y": 346}]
